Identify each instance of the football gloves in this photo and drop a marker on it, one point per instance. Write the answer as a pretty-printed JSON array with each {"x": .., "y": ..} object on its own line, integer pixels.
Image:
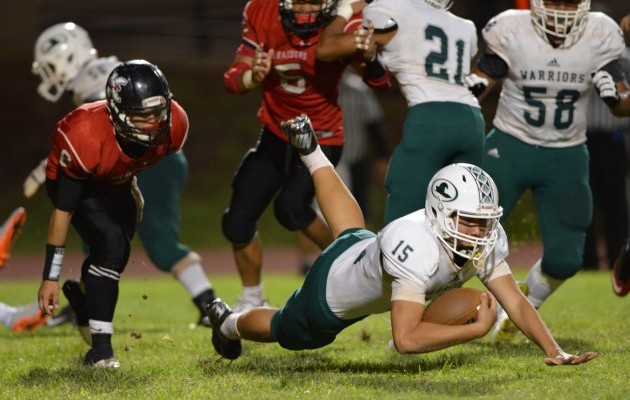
[
  {"x": 476, "y": 84},
  {"x": 300, "y": 133},
  {"x": 606, "y": 88}
]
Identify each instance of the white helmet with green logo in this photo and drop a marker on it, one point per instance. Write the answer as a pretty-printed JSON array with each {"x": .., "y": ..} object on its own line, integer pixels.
[{"x": 464, "y": 191}]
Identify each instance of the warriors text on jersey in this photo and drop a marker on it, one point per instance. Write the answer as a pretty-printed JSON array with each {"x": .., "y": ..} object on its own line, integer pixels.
[
  {"x": 405, "y": 262},
  {"x": 297, "y": 82},
  {"x": 545, "y": 93},
  {"x": 85, "y": 147},
  {"x": 430, "y": 53}
]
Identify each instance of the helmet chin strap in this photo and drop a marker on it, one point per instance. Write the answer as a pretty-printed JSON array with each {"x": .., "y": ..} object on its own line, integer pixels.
[{"x": 478, "y": 261}]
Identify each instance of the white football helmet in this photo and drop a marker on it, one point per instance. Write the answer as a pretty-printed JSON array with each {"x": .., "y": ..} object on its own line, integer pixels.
[
  {"x": 464, "y": 191},
  {"x": 61, "y": 51},
  {"x": 566, "y": 22},
  {"x": 440, "y": 4}
]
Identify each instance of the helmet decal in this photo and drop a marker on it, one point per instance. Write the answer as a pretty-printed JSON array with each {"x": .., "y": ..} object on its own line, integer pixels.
[
  {"x": 444, "y": 189},
  {"x": 116, "y": 82}
]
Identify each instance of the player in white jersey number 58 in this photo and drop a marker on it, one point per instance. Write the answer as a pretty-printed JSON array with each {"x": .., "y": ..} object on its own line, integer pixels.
[{"x": 549, "y": 58}]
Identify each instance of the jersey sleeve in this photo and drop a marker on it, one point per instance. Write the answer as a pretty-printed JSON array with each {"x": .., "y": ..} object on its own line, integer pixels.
[
  {"x": 610, "y": 36},
  {"x": 75, "y": 149},
  {"x": 410, "y": 257},
  {"x": 179, "y": 127},
  {"x": 382, "y": 15},
  {"x": 249, "y": 34},
  {"x": 497, "y": 35}
]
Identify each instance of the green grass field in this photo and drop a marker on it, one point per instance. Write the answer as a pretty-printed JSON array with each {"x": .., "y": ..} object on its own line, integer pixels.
[{"x": 162, "y": 358}]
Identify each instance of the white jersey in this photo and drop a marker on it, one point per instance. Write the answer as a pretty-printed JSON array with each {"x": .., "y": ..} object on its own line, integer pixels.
[
  {"x": 431, "y": 52},
  {"x": 405, "y": 261},
  {"x": 90, "y": 84},
  {"x": 545, "y": 94}
]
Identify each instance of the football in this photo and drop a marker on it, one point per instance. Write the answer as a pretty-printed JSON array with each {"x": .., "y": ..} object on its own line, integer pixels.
[{"x": 457, "y": 306}]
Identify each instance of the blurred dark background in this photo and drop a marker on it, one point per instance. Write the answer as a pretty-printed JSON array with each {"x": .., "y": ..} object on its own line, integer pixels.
[{"x": 193, "y": 42}]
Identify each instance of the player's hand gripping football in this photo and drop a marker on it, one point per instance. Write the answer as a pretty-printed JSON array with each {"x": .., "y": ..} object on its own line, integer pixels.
[
  {"x": 563, "y": 358},
  {"x": 300, "y": 133},
  {"x": 487, "y": 314}
]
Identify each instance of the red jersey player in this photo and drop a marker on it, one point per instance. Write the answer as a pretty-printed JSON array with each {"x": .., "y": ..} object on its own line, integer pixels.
[
  {"x": 278, "y": 46},
  {"x": 90, "y": 177}
]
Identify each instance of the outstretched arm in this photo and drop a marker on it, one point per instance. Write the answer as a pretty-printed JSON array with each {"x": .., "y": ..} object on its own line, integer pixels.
[
  {"x": 339, "y": 207},
  {"x": 527, "y": 319}
]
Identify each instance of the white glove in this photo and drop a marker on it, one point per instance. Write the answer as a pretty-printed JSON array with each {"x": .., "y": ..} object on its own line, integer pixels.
[
  {"x": 137, "y": 198},
  {"x": 344, "y": 9},
  {"x": 476, "y": 84},
  {"x": 35, "y": 179},
  {"x": 606, "y": 88}
]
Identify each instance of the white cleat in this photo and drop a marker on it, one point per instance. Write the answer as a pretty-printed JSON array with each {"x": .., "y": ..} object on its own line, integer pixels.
[
  {"x": 245, "y": 304},
  {"x": 108, "y": 363}
]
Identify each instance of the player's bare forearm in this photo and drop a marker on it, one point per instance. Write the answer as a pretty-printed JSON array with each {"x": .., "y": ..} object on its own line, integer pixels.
[
  {"x": 622, "y": 108},
  {"x": 58, "y": 227},
  {"x": 334, "y": 43},
  {"x": 411, "y": 335}
]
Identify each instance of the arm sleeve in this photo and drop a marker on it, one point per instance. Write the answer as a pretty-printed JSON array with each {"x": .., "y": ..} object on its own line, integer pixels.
[
  {"x": 615, "y": 69},
  {"x": 66, "y": 192},
  {"x": 493, "y": 66}
]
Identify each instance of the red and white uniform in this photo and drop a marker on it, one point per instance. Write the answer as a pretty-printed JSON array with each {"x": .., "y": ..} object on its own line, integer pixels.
[
  {"x": 297, "y": 82},
  {"x": 85, "y": 147}
]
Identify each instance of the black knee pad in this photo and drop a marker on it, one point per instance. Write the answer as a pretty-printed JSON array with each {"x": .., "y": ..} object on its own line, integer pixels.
[
  {"x": 237, "y": 228},
  {"x": 293, "y": 216}
]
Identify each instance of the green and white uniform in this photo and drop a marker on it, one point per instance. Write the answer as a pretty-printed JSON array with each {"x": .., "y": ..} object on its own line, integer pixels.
[
  {"x": 429, "y": 55},
  {"x": 540, "y": 127},
  {"x": 361, "y": 274}
]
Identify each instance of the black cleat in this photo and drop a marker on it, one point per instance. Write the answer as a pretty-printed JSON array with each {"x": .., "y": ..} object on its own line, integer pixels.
[
  {"x": 300, "y": 133},
  {"x": 217, "y": 312},
  {"x": 202, "y": 301},
  {"x": 76, "y": 297},
  {"x": 92, "y": 359}
]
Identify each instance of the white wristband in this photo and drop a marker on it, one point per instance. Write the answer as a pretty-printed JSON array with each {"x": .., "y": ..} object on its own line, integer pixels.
[
  {"x": 248, "y": 81},
  {"x": 316, "y": 160}
]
